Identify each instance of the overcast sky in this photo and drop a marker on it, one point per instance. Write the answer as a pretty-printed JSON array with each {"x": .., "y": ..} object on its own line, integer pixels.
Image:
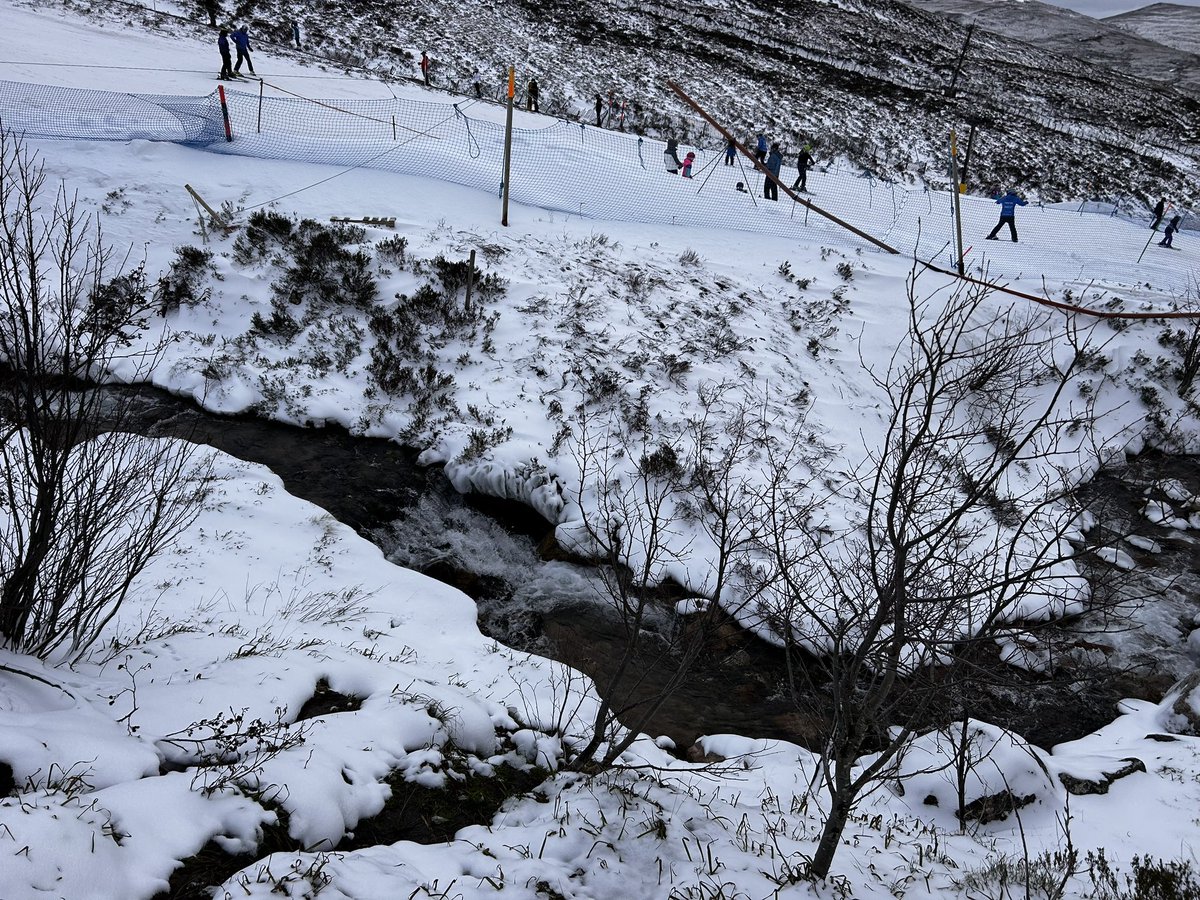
[{"x": 1102, "y": 8}]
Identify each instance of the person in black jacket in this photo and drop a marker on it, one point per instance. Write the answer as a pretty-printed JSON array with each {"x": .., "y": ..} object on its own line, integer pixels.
[
  {"x": 1169, "y": 235},
  {"x": 803, "y": 161},
  {"x": 1160, "y": 209},
  {"x": 226, "y": 62},
  {"x": 599, "y": 109},
  {"x": 531, "y": 95},
  {"x": 213, "y": 8},
  {"x": 774, "y": 164},
  {"x": 671, "y": 157}
]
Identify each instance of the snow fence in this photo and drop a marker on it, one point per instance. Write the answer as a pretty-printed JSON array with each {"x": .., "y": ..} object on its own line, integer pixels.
[{"x": 595, "y": 173}]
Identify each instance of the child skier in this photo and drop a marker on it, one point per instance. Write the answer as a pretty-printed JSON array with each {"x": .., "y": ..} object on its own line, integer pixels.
[
  {"x": 688, "y": 161},
  {"x": 1169, "y": 234}
]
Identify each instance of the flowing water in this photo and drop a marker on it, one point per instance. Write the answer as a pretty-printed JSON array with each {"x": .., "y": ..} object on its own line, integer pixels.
[{"x": 557, "y": 609}]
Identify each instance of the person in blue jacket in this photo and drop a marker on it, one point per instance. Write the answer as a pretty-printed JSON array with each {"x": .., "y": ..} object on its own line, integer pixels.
[
  {"x": 760, "y": 148},
  {"x": 226, "y": 62},
  {"x": 241, "y": 40},
  {"x": 1008, "y": 208},
  {"x": 730, "y": 152},
  {"x": 774, "y": 164}
]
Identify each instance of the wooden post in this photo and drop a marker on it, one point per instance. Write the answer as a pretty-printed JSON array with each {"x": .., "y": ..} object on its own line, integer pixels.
[
  {"x": 962, "y": 174},
  {"x": 225, "y": 112},
  {"x": 260, "y": 96},
  {"x": 393, "y": 128},
  {"x": 512, "y": 89},
  {"x": 212, "y": 212},
  {"x": 470, "y": 279},
  {"x": 957, "y": 202}
]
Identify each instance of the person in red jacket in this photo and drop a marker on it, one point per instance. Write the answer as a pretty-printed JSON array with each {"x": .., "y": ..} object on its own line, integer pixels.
[
  {"x": 688, "y": 162},
  {"x": 425, "y": 67}
]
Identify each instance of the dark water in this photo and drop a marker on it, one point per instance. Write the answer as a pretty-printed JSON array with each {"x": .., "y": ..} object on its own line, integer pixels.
[{"x": 555, "y": 608}]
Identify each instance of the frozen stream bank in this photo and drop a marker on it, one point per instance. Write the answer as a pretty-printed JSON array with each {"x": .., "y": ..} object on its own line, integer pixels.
[{"x": 554, "y": 608}]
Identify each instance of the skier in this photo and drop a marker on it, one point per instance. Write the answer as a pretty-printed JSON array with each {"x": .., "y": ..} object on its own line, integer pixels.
[
  {"x": 226, "y": 62},
  {"x": 241, "y": 40},
  {"x": 803, "y": 161},
  {"x": 1159, "y": 209},
  {"x": 671, "y": 157},
  {"x": 730, "y": 152},
  {"x": 477, "y": 85},
  {"x": 688, "y": 161},
  {"x": 760, "y": 148},
  {"x": 1008, "y": 209},
  {"x": 1169, "y": 235},
  {"x": 774, "y": 164},
  {"x": 425, "y": 67},
  {"x": 296, "y": 33},
  {"x": 213, "y": 8},
  {"x": 531, "y": 95},
  {"x": 599, "y": 109}
]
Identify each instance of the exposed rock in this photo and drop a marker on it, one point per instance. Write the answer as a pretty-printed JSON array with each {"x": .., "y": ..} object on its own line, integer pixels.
[
  {"x": 994, "y": 807},
  {"x": 1084, "y": 786},
  {"x": 1184, "y": 717},
  {"x": 550, "y": 550},
  {"x": 696, "y": 754},
  {"x": 7, "y": 781}
]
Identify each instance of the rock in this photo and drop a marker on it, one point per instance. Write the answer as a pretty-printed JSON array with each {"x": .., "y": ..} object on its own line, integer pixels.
[
  {"x": 7, "y": 781},
  {"x": 696, "y": 754},
  {"x": 1084, "y": 786},
  {"x": 1184, "y": 714},
  {"x": 1144, "y": 543},
  {"x": 994, "y": 807},
  {"x": 1116, "y": 557},
  {"x": 550, "y": 550}
]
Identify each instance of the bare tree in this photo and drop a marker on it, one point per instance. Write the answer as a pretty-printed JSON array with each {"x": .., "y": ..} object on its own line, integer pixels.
[
  {"x": 965, "y": 525},
  {"x": 85, "y": 504},
  {"x": 657, "y": 510}
]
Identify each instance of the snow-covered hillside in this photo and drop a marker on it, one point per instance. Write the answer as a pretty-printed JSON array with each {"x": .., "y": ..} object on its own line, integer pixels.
[
  {"x": 864, "y": 79},
  {"x": 180, "y": 737}
]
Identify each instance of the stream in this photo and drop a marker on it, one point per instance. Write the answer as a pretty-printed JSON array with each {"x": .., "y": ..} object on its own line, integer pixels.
[{"x": 490, "y": 550}]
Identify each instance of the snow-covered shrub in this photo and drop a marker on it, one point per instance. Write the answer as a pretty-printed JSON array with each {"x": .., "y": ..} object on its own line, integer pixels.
[
  {"x": 266, "y": 234},
  {"x": 1150, "y": 879},
  {"x": 182, "y": 285},
  {"x": 281, "y": 323},
  {"x": 393, "y": 250}
]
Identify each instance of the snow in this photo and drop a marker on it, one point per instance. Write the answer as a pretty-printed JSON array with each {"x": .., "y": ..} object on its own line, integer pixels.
[{"x": 136, "y": 757}]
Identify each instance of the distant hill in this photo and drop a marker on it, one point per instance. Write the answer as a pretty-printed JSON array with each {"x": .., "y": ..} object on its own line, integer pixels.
[
  {"x": 1167, "y": 23},
  {"x": 1158, "y": 43}
]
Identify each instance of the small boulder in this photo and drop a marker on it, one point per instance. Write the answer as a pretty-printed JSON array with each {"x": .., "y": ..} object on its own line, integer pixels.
[
  {"x": 1100, "y": 785},
  {"x": 1182, "y": 704}
]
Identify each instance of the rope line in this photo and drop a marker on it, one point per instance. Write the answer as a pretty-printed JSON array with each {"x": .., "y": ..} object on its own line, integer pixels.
[
  {"x": 473, "y": 150},
  {"x": 557, "y": 173}
]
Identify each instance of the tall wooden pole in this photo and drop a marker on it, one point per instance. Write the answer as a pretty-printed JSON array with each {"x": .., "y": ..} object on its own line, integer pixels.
[{"x": 512, "y": 90}]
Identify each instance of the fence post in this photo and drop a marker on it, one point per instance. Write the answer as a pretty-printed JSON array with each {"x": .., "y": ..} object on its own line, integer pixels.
[
  {"x": 225, "y": 112},
  {"x": 957, "y": 203},
  {"x": 260, "y": 96},
  {"x": 512, "y": 89},
  {"x": 470, "y": 279}
]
